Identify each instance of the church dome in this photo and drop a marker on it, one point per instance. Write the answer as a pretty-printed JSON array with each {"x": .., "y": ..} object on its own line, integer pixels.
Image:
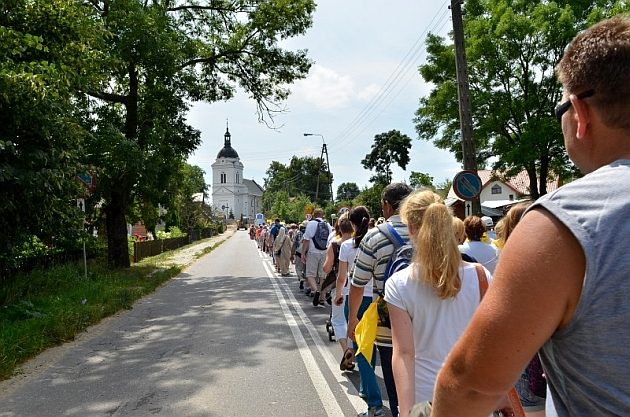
[{"x": 227, "y": 151}]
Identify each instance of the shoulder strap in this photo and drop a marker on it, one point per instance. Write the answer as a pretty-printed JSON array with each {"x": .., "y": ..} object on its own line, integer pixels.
[
  {"x": 390, "y": 232},
  {"x": 483, "y": 280}
]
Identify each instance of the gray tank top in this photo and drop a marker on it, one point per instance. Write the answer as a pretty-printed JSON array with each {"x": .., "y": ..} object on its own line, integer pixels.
[{"x": 587, "y": 364}]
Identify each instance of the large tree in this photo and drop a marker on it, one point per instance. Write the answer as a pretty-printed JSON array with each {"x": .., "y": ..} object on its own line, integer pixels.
[
  {"x": 299, "y": 177},
  {"x": 512, "y": 48},
  {"x": 388, "y": 148},
  {"x": 164, "y": 54},
  {"x": 46, "y": 55},
  {"x": 347, "y": 191}
]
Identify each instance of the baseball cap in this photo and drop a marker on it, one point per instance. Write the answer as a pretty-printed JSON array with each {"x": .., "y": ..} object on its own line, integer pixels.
[{"x": 487, "y": 221}]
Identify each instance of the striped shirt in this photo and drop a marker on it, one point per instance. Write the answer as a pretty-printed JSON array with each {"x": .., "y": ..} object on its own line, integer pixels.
[{"x": 373, "y": 254}]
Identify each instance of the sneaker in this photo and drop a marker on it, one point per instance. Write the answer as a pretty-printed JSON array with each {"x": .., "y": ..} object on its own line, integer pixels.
[
  {"x": 316, "y": 299},
  {"x": 373, "y": 412},
  {"x": 307, "y": 292},
  {"x": 301, "y": 285}
]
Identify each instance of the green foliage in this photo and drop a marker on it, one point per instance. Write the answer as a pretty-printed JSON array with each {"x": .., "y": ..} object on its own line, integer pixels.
[
  {"x": 512, "y": 48},
  {"x": 420, "y": 179},
  {"x": 299, "y": 177},
  {"x": 347, "y": 191},
  {"x": 370, "y": 197},
  {"x": 388, "y": 148},
  {"x": 46, "y": 56}
]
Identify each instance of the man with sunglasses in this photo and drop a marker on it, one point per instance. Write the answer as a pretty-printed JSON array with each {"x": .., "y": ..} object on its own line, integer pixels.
[{"x": 567, "y": 295}]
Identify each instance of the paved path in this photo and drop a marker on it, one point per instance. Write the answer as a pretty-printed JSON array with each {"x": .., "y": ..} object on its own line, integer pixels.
[{"x": 226, "y": 337}]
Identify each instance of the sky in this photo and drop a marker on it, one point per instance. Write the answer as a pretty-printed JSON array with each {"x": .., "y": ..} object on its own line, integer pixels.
[{"x": 364, "y": 81}]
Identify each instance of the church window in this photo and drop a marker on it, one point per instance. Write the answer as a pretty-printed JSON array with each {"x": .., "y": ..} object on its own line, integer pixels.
[
  {"x": 237, "y": 177},
  {"x": 223, "y": 178},
  {"x": 496, "y": 189}
]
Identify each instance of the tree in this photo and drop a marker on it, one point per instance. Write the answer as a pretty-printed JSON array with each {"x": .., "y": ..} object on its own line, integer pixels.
[
  {"x": 45, "y": 56},
  {"x": 420, "y": 179},
  {"x": 388, "y": 148},
  {"x": 512, "y": 48},
  {"x": 347, "y": 191},
  {"x": 370, "y": 197},
  {"x": 299, "y": 177},
  {"x": 162, "y": 55}
]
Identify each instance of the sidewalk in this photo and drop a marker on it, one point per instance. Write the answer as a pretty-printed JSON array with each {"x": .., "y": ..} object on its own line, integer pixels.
[{"x": 187, "y": 255}]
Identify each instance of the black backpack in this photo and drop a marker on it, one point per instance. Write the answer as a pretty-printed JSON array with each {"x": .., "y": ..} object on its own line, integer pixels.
[{"x": 321, "y": 235}]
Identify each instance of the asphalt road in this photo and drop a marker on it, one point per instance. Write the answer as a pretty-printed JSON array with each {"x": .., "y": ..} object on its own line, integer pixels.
[{"x": 227, "y": 337}]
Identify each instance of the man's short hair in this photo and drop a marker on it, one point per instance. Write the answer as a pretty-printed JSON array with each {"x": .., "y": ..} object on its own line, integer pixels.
[
  {"x": 277, "y": 221},
  {"x": 318, "y": 212},
  {"x": 598, "y": 59},
  {"x": 395, "y": 193}
]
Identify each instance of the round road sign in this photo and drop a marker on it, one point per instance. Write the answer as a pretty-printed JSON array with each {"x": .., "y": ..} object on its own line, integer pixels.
[{"x": 467, "y": 185}]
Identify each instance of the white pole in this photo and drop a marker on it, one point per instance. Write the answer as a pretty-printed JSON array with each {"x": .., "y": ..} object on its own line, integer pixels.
[{"x": 84, "y": 260}]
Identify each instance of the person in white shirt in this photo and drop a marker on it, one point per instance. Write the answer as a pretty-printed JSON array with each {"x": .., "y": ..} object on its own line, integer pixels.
[
  {"x": 485, "y": 253},
  {"x": 431, "y": 301}
]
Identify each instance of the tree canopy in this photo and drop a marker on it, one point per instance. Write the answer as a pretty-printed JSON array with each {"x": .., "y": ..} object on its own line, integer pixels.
[
  {"x": 512, "y": 48},
  {"x": 388, "y": 148},
  {"x": 105, "y": 85},
  {"x": 347, "y": 191}
]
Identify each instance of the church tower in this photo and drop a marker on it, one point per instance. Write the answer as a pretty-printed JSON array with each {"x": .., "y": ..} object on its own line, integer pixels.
[{"x": 229, "y": 193}]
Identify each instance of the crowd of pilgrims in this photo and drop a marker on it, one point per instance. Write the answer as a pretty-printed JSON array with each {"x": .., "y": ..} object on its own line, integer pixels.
[{"x": 442, "y": 282}]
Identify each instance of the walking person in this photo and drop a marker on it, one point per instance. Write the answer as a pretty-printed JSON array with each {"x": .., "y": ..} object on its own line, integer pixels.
[
  {"x": 373, "y": 256},
  {"x": 282, "y": 251},
  {"x": 314, "y": 243},
  {"x": 332, "y": 265},
  {"x": 562, "y": 284},
  {"x": 430, "y": 302}
]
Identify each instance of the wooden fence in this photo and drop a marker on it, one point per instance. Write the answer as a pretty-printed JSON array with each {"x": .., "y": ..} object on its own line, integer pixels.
[{"x": 147, "y": 248}]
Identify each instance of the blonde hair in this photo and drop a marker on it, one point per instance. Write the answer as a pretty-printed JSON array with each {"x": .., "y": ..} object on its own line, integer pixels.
[
  {"x": 436, "y": 252},
  {"x": 459, "y": 230}
]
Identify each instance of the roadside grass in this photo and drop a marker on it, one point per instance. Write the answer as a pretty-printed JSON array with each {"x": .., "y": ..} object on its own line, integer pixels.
[{"x": 46, "y": 308}]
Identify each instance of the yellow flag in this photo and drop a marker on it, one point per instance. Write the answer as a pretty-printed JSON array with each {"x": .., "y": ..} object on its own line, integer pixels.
[{"x": 365, "y": 332}]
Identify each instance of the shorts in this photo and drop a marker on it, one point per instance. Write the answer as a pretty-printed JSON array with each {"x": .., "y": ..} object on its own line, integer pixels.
[{"x": 315, "y": 265}]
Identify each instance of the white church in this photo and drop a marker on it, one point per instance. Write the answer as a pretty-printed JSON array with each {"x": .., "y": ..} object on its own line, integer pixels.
[{"x": 231, "y": 193}]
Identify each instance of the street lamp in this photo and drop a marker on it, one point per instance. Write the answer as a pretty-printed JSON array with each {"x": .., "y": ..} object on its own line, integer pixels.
[{"x": 321, "y": 161}]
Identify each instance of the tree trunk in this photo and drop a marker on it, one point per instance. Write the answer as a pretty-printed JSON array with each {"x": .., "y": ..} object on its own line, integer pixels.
[
  {"x": 544, "y": 174},
  {"x": 533, "y": 182},
  {"x": 117, "y": 250}
]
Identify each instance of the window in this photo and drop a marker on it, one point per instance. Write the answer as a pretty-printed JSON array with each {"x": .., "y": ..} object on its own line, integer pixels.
[
  {"x": 496, "y": 189},
  {"x": 237, "y": 177},
  {"x": 223, "y": 178}
]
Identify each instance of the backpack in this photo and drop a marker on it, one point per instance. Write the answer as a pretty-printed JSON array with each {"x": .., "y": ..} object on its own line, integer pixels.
[
  {"x": 403, "y": 251},
  {"x": 332, "y": 275},
  {"x": 320, "y": 239},
  {"x": 401, "y": 258}
]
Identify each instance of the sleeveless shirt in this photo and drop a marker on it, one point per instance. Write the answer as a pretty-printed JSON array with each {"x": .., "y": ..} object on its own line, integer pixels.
[{"x": 587, "y": 363}]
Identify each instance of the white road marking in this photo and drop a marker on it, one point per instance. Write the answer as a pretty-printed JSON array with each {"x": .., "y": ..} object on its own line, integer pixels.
[
  {"x": 321, "y": 385},
  {"x": 351, "y": 393}
]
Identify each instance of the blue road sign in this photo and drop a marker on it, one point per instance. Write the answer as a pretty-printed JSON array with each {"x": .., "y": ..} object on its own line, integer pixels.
[{"x": 467, "y": 185}]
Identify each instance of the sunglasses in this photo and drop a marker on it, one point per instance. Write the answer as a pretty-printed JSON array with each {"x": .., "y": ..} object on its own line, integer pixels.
[{"x": 562, "y": 108}]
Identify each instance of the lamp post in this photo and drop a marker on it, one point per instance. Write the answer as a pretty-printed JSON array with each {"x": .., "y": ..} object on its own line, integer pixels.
[{"x": 321, "y": 161}]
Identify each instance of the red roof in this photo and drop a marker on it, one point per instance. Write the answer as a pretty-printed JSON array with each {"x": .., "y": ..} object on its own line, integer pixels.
[{"x": 520, "y": 182}]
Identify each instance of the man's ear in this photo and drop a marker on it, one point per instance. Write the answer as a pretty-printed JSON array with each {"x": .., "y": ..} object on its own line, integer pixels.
[{"x": 581, "y": 114}]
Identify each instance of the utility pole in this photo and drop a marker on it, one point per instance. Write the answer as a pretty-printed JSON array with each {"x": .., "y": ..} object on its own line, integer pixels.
[
  {"x": 465, "y": 113},
  {"x": 321, "y": 161}
]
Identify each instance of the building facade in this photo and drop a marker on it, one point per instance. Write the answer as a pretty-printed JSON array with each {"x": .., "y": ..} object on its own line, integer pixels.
[{"x": 231, "y": 193}]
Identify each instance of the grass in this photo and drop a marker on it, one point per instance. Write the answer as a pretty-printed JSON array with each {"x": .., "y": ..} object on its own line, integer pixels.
[{"x": 46, "y": 308}]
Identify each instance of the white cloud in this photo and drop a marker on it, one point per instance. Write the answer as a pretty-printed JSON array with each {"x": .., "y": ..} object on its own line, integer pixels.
[
  {"x": 369, "y": 92},
  {"x": 325, "y": 89}
]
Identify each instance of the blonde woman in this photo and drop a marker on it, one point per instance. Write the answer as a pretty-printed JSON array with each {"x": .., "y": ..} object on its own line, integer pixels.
[{"x": 430, "y": 302}]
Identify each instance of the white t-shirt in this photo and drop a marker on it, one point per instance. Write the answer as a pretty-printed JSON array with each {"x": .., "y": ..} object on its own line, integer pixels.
[
  {"x": 437, "y": 323},
  {"x": 309, "y": 233},
  {"x": 485, "y": 253},
  {"x": 348, "y": 253}
]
